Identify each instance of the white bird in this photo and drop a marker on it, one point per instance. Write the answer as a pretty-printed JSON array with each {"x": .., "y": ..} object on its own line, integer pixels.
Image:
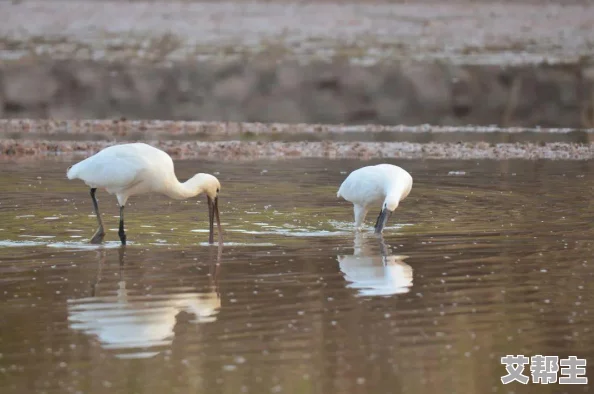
[
  {"x": 372, "y": 185},
  {"x": 130, "y": 169}
]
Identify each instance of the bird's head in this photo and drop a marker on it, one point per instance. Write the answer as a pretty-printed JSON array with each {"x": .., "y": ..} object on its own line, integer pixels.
[
  {"x": 390, "y": 204},
  {"x": 206, "y": 183}
]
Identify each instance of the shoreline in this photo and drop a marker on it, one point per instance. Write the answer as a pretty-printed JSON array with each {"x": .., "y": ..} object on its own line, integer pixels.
[
  {"x": 241, "y": 151},
  {"x": 120, "y": 127},
  {"x": 38, "y": 139}
]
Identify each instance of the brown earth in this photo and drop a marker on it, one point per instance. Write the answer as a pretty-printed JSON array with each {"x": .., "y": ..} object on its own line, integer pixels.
[{"x": 405, "y": 93}]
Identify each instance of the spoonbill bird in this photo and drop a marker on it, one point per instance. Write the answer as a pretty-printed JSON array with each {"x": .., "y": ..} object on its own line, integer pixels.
[
  {"x": 130, "y": 169},
  {"x": 373, "y": 184}
]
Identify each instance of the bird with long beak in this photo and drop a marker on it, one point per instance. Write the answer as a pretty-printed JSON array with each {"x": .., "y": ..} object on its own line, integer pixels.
[
  {"x": 130, "y": 169},
  {"x": 383, "y": 183}
]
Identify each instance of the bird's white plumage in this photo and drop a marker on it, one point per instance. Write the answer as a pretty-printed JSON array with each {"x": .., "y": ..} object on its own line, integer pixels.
[
  {"x": 371, "y": 184},
  {"x": 126, "y": 170},
  {"x": 374, "y": 185}
]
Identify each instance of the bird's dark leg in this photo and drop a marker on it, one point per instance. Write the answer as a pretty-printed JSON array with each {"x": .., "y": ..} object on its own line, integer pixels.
[
  {"x": 100, "y": 233},
  {"x": 121, "y": 231}
]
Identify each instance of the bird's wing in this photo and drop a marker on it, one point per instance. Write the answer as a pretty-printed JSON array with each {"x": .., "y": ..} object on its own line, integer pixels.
[
  {"x": 112, "y": 170},
  {"x": 362, "y": 186}
]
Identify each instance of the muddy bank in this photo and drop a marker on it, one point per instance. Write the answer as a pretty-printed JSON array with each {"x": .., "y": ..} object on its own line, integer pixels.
[
  {"x": 244, "y": 141},
  {"x": 168, "y": 129},
  {"x": 236, "y": 150},
  {"x": 407, "y": 93}
]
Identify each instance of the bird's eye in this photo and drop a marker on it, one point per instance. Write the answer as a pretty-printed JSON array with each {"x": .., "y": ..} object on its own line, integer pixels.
[{"x": 217, "y": 189}]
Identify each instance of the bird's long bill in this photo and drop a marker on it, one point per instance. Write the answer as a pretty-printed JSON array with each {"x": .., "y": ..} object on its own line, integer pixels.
[
  {"x": 210, "y": 219},
  {"x": 213, "y": 211},
  {"x": 219, "y": 228},
  {"x": 382, "y": 219}
]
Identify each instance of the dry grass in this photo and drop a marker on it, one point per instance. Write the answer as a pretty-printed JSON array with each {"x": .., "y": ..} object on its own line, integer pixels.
[{"x": 492, "y": 32}]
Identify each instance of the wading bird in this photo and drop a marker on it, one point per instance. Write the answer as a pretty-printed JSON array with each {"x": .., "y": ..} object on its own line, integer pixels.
[
  {"x": 130, "y": 169},
  {"x": 371, "y": 185}
]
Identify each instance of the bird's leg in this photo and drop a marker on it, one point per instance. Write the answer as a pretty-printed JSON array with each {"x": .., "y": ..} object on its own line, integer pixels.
[
  {"x": 121, "y": 231},
  {"x": 360, "y": 213},
  {"x": 100, "y": 233}
]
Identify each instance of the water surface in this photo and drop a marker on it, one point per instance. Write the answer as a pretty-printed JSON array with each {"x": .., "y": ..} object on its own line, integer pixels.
[{"x": 483, "y": 259}]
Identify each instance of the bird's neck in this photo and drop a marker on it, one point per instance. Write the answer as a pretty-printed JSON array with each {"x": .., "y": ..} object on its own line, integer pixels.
[
  {"x": 393, "y": 191},
  {"x": 396, "y": 192},
  {"x": 181, "y": 191}
]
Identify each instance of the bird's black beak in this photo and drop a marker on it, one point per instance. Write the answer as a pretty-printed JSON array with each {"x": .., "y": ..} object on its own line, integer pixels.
[
  {"x": 382, "y": 219},
  {"x": 213, "y": 211}
]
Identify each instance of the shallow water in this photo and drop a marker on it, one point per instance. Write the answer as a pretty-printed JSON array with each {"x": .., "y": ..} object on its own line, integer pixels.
[{"x": 483, "y": 259}]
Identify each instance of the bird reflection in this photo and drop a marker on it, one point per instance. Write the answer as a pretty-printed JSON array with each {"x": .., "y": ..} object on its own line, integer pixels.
[
  {"x": 130, "y": 322},
  {"x": 373, "y": 271}
]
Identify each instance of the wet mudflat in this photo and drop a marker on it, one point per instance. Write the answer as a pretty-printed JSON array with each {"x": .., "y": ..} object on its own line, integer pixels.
[{"x": 484, "y": 259}]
